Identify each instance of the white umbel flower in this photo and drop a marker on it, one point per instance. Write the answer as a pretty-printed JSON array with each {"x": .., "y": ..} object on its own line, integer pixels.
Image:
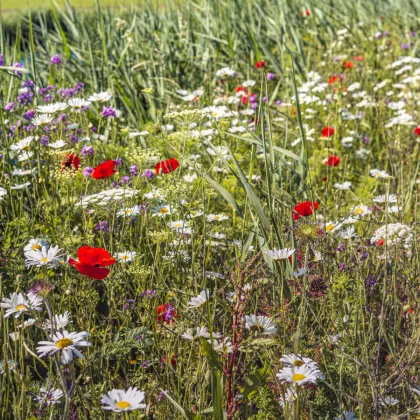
[
  {"x": 18, "y": 303},
  {"x": 393, "y": 234},
  {"x": 279, "y": 254},
  {"x": 260, "y": 323},
  {"x": 119, "y": 400},
  {"x": 66, "y": 343},
  {"x": 200, "y": 300}
]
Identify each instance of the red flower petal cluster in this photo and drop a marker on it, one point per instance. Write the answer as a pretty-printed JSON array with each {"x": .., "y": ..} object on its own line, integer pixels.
[
  {"x": 327, "y": 131},
  {"x": 104, "y": 170},
  {"x": 417, "y": 130},
  {"x": 166, "y": 313},
  {"x": 166, "y": 166},
  {"x": 260, "y": 64},
  {"x": 332, "y": 161},
  {"x": 333, "y": 79},
  {"x": 304, "y": 209},
  {"x": 348, "y": 65},
  {"x": 92, "y": 261},
  {"x": 71, "y": 161}
]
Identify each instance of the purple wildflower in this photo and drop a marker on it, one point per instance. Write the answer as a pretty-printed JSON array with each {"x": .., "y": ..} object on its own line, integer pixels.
[
  {"x": 29, "y": 114},
  {"x": 270, "y": 76},
  {"x": 55, "y": 60},
  {"x": 109, "y": 112},
  {"x": 103, "y": 226},
  {"x": 134, "y": 170},
  {"x": 87, "y": 150},
  {"x": 11, "y": 106},
  {"x": 87, "y": 172},
  {"x": 148, "y": 174},
  {"x": 20, "y": 66}
]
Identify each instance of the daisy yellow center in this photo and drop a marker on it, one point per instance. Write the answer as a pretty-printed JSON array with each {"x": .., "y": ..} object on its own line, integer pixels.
[
  {"x": 20, "y": 307},
  {"x": 329, "y": 228},
  {"x": 217, "y": 217},
  {"x": 36, "y": 246},
  {"x": 44, "y": 260},
  {"x": 164, "y": 210},
  {"x": 123, "y": 405},
  {"x": 125, "y": 257},
  {"x": 298, "y": 363},
  {"x": 358, "y": 211},
  {"x": 128, "y": 211},
  {"x": 63, "y": 343},
  {"x": 298, "y": 377}
]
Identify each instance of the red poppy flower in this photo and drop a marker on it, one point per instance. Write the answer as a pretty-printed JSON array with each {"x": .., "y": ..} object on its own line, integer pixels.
[
  {"x": 348, "y": 65},
  {"x": 381, "y": 242},
  {"x": 92, "y": 261},
  {"x": 260, "y": 64},
  {"x": 104, "y": 170},
  {"x": 166, "y": 166},
  {"x": 304, "y": 209},
  {"x": 172, "y": 361},
  {"x": 244, "y": 99},
  {"x": 327, "y": 131},
  {"x": 417, "y": 130},
  {"x": 333, "y": 79},
  {"x": 307, "y": 12},
  {"x": 332, "y": 161},
  {"x": 359, "y": 58},
  {"x": 71, "y": 160},
  {"x": 166, "y": 313},
  {"x": 241, "y": 89}
]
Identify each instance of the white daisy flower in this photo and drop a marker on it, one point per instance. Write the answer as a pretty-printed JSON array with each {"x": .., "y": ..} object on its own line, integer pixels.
[
  {"x": 223, "y": 346},
  {"x": 43, "y": 119},
  {"x": 120, "y": 401},
  {"x": 135, "y": 134},
  {"x": 161, "y": 211},
  {"x": 22, "y": 144},
  {"x": 301, "y": 272},
  {"x": 259, "y": 323},
  {"x": 20, "y": 186},
  {"x": 347, "y": 233},
  {"x": 79, "y": 103},
  {"x": 216, "y": 217},
  {"x": 126, "y": 256},
  {"x": 66, "y": 343},
  {"x": 57, "y": 144},
  {"x": 292, "y": 360},
  {"x": 60, "y": 321},
  {"x": 279, "y": 254},
  {"x": 200, "y": 300},
  {"x": 25, "y": 156},
  {"x": 18, "y": 303},
  {"x": 360, "y": 210},
  {"x": 23, "y": 172},
  {"x": 49, "y": 396},
  {"x": 193, "y": 334},
  {"x": 52, "y": 108},
  {"x": 35, "y": 244},
  {"x": 376, "y": 173},
  {"x": 129, "y": 212},
  {"x": 392, "y": 198},
  {"x": 344, "y": 186},
  {"x": 226, "y": 72},
  {"x": 289, "y": 397},
  {"x": 388, "y": 401},
  {"x": 100, "y": 97},
  {"x": 44, "y": 257},
  {"x": 299, "y": 375},
  {"x": 190, "y": 177},
  {"x": 178, "y": 225}
]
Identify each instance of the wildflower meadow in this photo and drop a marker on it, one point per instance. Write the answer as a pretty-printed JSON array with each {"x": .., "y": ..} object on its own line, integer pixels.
[{"x": 208, "y": 210}]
